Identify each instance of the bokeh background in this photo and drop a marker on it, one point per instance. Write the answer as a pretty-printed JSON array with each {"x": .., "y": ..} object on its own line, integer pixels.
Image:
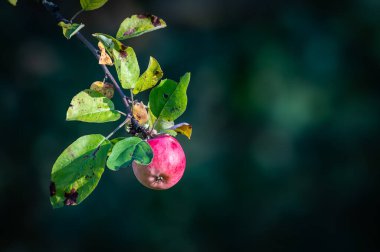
[{"x": 284, "y": 103}]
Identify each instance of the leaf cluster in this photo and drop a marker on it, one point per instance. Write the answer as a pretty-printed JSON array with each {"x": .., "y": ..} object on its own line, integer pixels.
[{"x": 78, "y": 169}]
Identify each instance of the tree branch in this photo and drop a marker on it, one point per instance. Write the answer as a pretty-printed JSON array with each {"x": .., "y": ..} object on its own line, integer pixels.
[
  {"x": 105, "y": 69},
  {"x": 53, "y": 9}
]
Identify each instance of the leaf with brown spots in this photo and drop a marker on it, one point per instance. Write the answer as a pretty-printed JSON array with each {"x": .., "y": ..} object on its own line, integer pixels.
[
  {"x": 168, "y": 100},
  {"x": 77, "y": 170},
  {"x": 104, "y": 58},
  {"x": 104, "y": 88},
  {"x": 93, "y": 107},
  {"x": 150, "y": 77},
  {"x": 137, "y": 25},
  {"x": 183, "y": 128},
  {"x": 125, "y": 60}
]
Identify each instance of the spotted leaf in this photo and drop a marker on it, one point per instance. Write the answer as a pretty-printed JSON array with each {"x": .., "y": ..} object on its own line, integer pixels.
[
  {"x": 137, "y": 25},
  {"x": 77, "y": 170}
]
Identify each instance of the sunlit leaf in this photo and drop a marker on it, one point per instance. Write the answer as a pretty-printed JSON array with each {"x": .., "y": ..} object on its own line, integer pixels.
[
  {"x": 91, "y": 106},
  {"x": 70, "y": 30},
  {"x": 151, "y": 117},
  {"x": 140, "y": 113},
  {"x": 150, "y": 77},
  {"x": 88, "y": 5},
  {"x": 183, "y": 128},
  {"x": 104, "y": 88},
  {"x": 168, "y": 100},
  {"x": 13, "y": 2},
  {"x": 77, "y": 170},
  {"x": 137, "y": 25},
  {"x": 104, "y": 58},
  {"x": 128, "y": 150},
  {"x": 125, "y": 60}
]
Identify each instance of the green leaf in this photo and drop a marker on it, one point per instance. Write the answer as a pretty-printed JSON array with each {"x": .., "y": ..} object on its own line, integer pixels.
[
  {"x": 128, "y": 150},
  {"x": 13, "y": 2},
  {"x": 91, "y": 106},
  {"x": 151, "y": 117},
  {"x": 137, "y": 25},
  {"x": 125, "y": 60},
  {"x": 88, "y": 5},
  {"x": 113, "y": 142},
  {"x": 168, "y": 100},
  {"x": 77, "y": 170},
  {"x": 150, "y": 77},
  {"x": 70, "y": 30},
  {"x": 163, "y": 126}
]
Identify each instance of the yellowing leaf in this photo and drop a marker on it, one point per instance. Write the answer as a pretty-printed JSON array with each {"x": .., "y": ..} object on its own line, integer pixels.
[
  {"x": 140, "y": 113},
  {"x": 91, "y": 106},
  {"x": 70, "y": 30},
  {"x": 150, "y": 77},
  {"x": 13, "y": 2},
  {"x": 104, "y": 58},
  {"x": 124, "y": 57},
  {"x": 183, "y": 128},
  {"x": 104, "y": 88}
]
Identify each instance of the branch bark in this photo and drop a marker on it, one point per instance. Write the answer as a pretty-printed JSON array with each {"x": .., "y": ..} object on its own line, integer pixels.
[{"x": 53, "y": 9}]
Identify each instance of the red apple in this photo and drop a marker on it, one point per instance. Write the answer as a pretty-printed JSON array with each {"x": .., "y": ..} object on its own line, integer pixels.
[{"x": 167, "y": 166}]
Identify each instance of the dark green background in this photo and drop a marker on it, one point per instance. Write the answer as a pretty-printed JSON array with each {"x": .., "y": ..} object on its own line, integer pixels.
[{"x": 284, "y": 103}]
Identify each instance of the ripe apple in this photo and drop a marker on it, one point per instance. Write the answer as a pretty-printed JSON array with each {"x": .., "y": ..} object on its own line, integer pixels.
[{"x": 167, "y": 166}]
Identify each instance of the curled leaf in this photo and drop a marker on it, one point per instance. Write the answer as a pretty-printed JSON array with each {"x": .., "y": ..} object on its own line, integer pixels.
[
  {"x": 150, "y": 77},
  {"x": 183, "y": 128},
  {"x": 128, "y": 150},
  {"x": 104, "y": 58},
  {"x": 137, "y": 25},
  {"x": 70, "y": 30},
  {"x": 140, "y": 113},
  {"x": 113, "y": 142},
  {"x": 104, "y": 88}
]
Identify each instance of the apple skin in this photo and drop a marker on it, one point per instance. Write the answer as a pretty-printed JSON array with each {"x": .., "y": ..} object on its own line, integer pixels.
[{"x": 167, "y": 166}]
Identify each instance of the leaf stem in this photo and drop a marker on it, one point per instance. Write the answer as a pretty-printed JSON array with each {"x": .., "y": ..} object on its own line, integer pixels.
[
  {"x": 122, "y": 113},
  {"x": 110, "y": 135},
  {"x": 131, "y": 96},
  {"x": 115, "y": 130},
  {"x": 75, "y": 15}
]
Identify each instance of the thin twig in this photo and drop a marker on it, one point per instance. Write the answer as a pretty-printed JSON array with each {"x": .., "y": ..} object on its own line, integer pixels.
[
  {"x": 105, "y": 69},
  {"x": 75, "y": 15},
  {"x": 54, "y": 10},
  {"x": 115, "y": 130},
  {"x": 122, "y": 113}
]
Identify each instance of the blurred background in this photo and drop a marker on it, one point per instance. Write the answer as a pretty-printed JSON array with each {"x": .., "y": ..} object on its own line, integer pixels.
[{"x": 284, "y": 103}]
